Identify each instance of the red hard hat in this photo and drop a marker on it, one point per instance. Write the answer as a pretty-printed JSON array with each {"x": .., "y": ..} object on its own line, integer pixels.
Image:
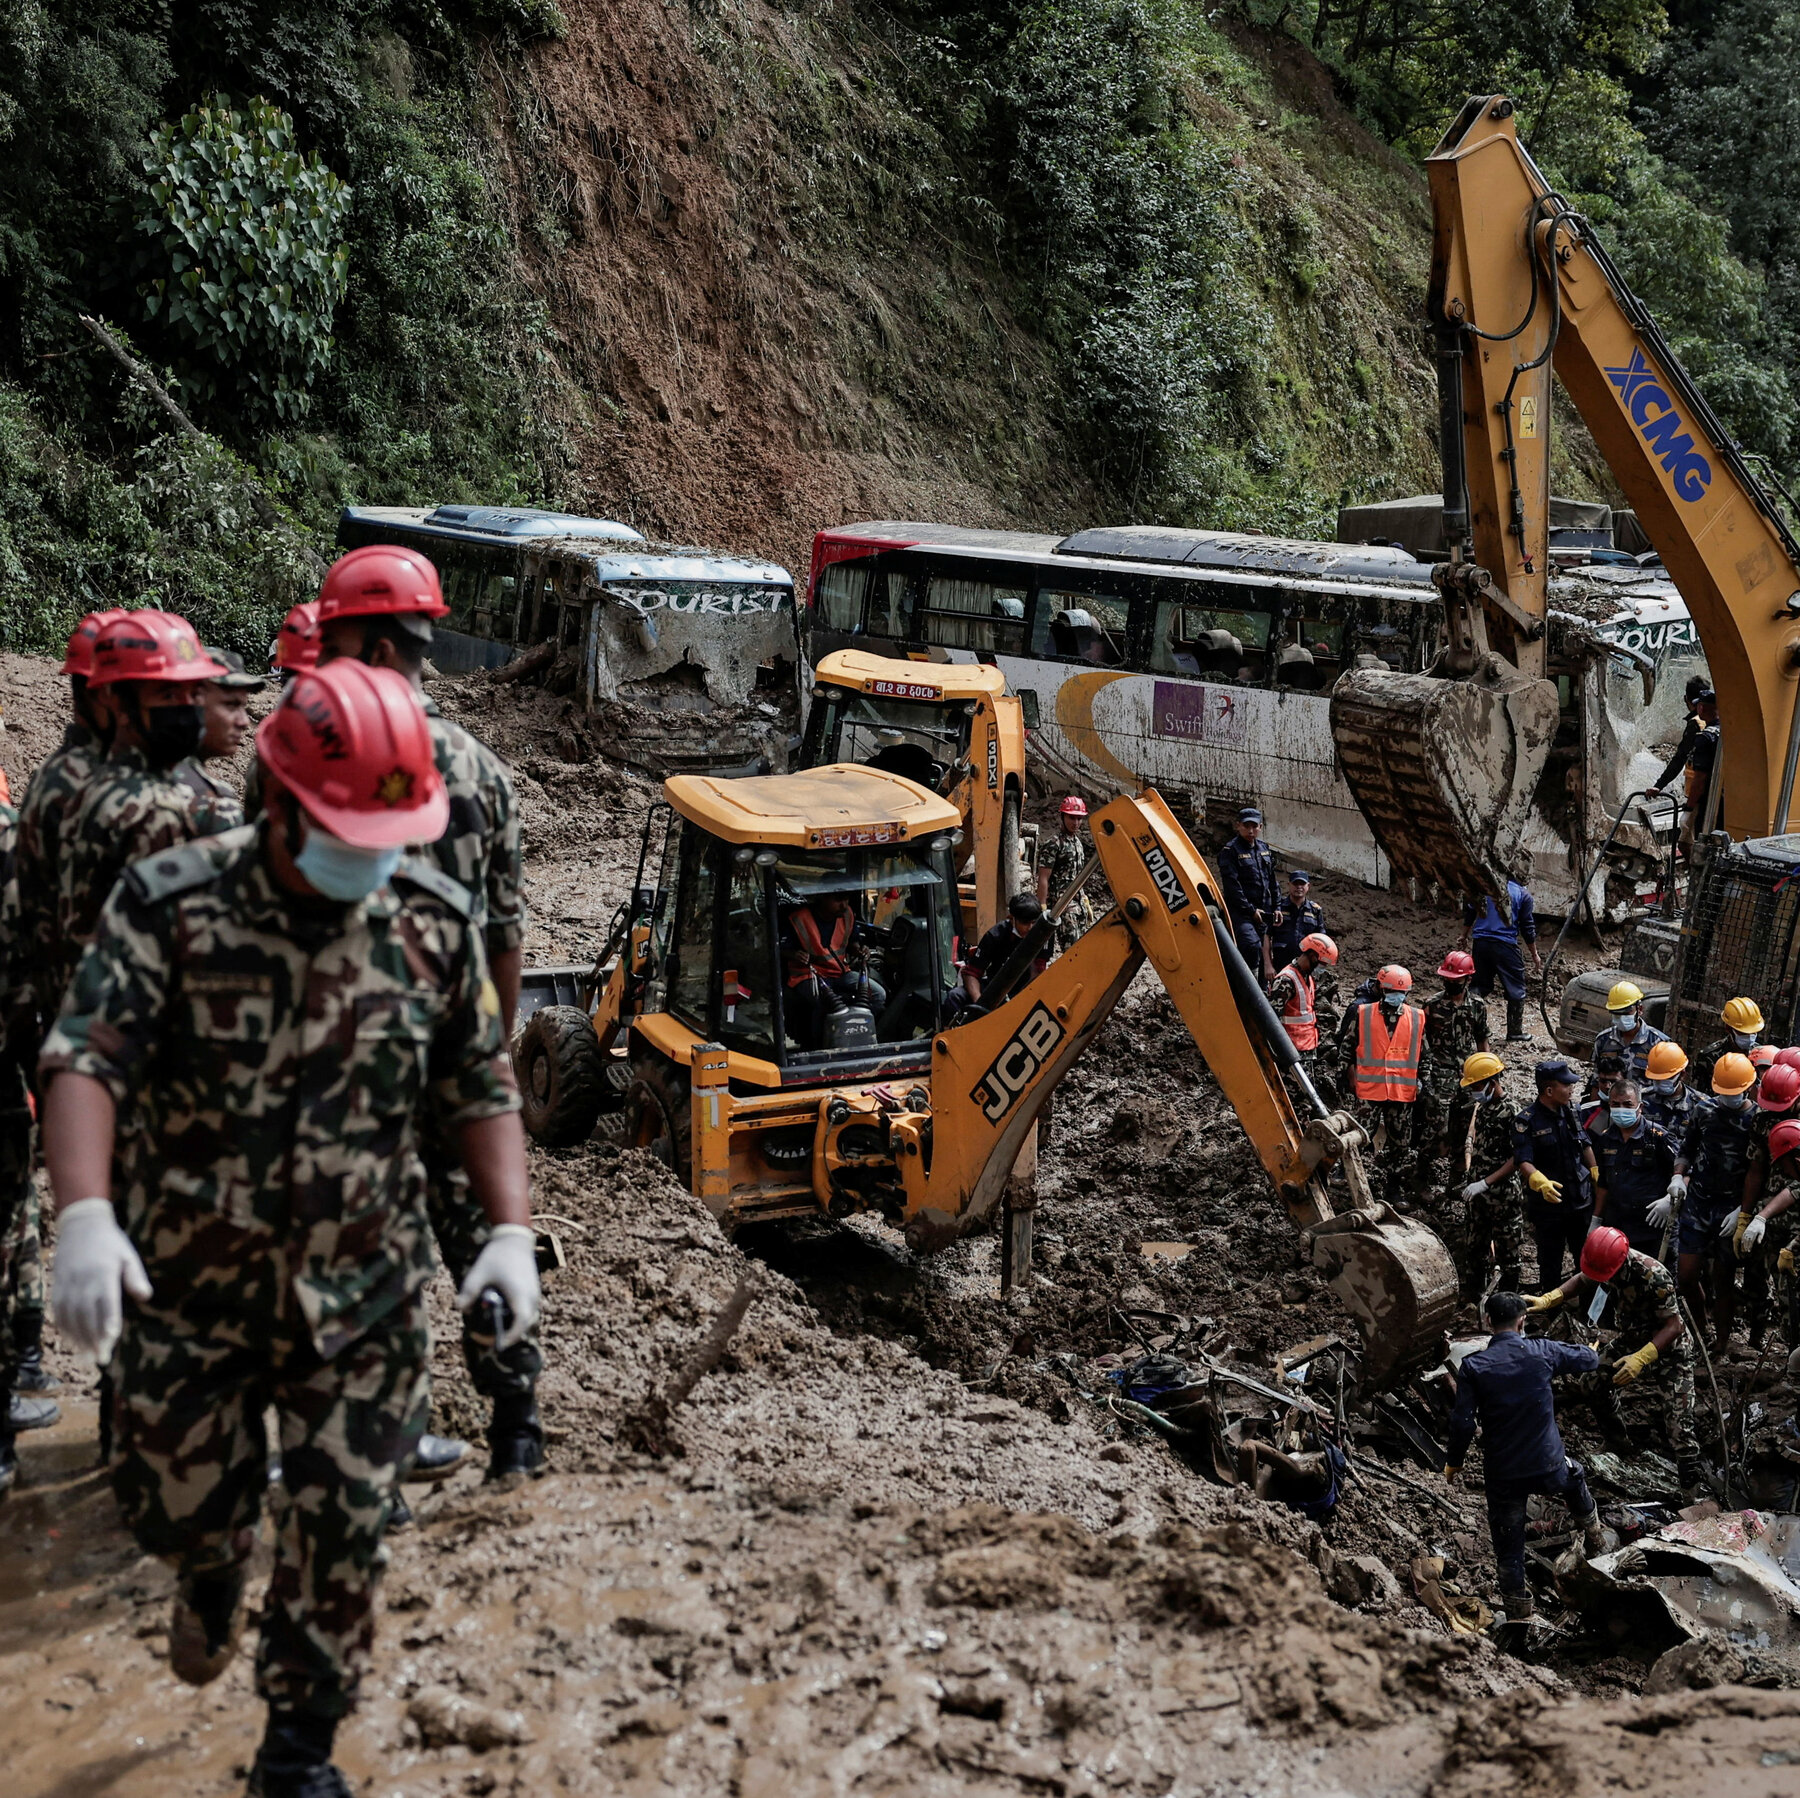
[
  {"x": 1780, "y": 1088},
  {"x": 1762, "y": 1057},
  {"x": 1321, "y": 945},
  {"x": 1784, "y": 1139},
  {"x": 297, "y": 642},
  {"x": 1787, "y": 1058},
  {"x": 150, "y": 646},
  {"x": 80, "y": 656},
  {"x": 1393, "y": 979},
  {"x": 1073, "y": 807},
  {"x": 1603, "y": 1253},
  {"x": 1459, "y": 964},
  {"x": 380, "y": 578},
  {"x": 353, "y": 745}
]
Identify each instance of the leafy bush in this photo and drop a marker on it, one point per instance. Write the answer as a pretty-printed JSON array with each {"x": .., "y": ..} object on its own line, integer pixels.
[{"x": 247, "y": 262}]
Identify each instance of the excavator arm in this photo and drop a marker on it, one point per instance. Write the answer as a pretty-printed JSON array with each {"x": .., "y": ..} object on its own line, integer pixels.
[
  {"x": 991, "y": 1076},
  {"x": 1444, "y": 765}
]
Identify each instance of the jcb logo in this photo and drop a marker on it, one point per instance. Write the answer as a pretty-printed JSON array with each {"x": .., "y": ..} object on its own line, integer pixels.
[
  {"x": 993, "y": 737},
  {"x": 1018, "y": 1064},
  {"x": 1162, "y": 872}
]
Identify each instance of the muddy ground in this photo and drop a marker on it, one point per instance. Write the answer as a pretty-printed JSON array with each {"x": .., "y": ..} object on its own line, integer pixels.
[{"x": 897, "y": 1551}]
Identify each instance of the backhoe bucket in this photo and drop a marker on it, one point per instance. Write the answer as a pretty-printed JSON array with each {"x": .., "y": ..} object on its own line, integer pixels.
[
  {"x": 1397, "y": 1280},
  {"x": 1444, "y": 770}
]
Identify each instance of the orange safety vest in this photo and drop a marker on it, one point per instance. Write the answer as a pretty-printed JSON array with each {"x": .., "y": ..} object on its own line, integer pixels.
[
  {"x": 1298, "y": 1018},
  {"x": 1387, "y": 1063},
  {"x": 825, "y": 959}
]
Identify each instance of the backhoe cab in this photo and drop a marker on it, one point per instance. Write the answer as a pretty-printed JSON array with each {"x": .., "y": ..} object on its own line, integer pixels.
[
  {"x": 951, "y": 727},
  {"x": 779, "y": 1017}
]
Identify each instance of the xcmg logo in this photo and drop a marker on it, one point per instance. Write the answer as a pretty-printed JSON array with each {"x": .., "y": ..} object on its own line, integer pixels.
[{"x": 1660, "y": 426}]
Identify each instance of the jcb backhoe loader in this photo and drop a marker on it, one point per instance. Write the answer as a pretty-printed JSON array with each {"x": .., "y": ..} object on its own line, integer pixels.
[
  {"x": 952, "y": 727},
  {"x": 783, "y": 1006},
  {"x": 1444, "y": 765}
]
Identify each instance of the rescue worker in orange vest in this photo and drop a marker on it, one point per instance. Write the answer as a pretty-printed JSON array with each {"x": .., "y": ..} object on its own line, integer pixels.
[
  {"x": 816, "y": 953},
  {"x": 1383, "y": 1043},
  {"x": 1296, "y": 1003}
]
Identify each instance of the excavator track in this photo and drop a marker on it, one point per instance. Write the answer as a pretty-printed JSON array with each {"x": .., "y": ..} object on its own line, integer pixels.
[{"x": 1444, "y": 770}]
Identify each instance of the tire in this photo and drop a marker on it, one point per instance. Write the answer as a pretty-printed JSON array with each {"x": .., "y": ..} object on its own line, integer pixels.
[
  {"x": 1014, "y": 875},
  {"x": 562, "y": 1076},
  {"x": 659, "y": 1118}
]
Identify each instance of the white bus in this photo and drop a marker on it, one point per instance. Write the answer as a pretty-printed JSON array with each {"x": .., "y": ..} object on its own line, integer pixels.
[{"x": 1201, "y": 663}]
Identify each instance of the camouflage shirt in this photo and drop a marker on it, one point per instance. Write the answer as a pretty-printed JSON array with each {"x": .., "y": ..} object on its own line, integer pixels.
[
  {"x": 482, "y": 847},
  {"x": 1065, "y": 857},
  {"x": 1491, "y": 1149},
  {"x": 1642, "y": 1300},
  {"x": 1700, "y": 1069},
  {"x": 272, "y": 1059},
  {"x": 126, "y": 812},
  {"x": 216, "y": 807},
  {"x": 1634, "y": 1051},
  {"x": 55, "y": 789},
  {"x": 1456, "y": 1028}
]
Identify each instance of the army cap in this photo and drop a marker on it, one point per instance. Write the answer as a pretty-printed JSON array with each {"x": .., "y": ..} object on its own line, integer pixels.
[{"x": 236, "y": 674}]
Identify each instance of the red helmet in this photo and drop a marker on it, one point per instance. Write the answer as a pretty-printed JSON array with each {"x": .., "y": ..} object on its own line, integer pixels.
[
  {"x": 1762, "y": 1057},
  {"x": 378, "y": 579},
  {"x": 1393, "y": 979},
  {"x": 1459, "y": 964},
  {"x": 1784, "y": 1139},
  {"x": 151, "y": 646},
  {"x": 353, "y": 745},
  {"x": 297, "y": 642},
  {"x": 1073, "y": 807},
  {"x": 1787, "y": 1058},
  {"x": 1780, "y": 1088},
  {"x": 1604, "y": 1252},
  {"x": 1321, "y": 945},
  {"x": 80, "y": 656}
]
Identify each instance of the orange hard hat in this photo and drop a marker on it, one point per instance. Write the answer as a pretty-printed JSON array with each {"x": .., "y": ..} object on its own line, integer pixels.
[
  {"x": 1321, "y": 945},
  {"x": 1733, "y": 1073},
  {"x": 1666, "y": 1061},
  {"x": 1393, "y": 979},
  {"x": 1763, "y": 1056}
]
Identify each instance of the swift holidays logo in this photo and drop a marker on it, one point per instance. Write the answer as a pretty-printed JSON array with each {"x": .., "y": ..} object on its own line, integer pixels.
[
  {"x": 1018, "y": 1064},
  {"x": 1660, "y": 426},
  {"x": 1162, "y": 872}
]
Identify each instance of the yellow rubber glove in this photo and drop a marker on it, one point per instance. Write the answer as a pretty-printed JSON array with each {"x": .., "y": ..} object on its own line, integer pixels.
[
  {"x": 1545, "y": 1188},
  {"x": 1785, "y": 1261},
  {"x": 1632, "y": 1366},
  {"x": 1548, "y": 1301},
  {"x": 1737, "y": 1235}
]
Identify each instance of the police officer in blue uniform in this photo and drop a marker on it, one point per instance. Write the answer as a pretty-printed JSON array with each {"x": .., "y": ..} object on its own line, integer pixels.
[
  {"x": 1298, "y": 915},
  {"x": 1247, "y": 877},
  {"x": 1556, "y": 1161},
  {"x": 1634, "y": 1159}
]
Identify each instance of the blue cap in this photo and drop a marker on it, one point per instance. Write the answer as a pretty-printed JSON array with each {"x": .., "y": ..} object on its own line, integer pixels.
[
  {"x": 1299, "y": 874},
  {"x": 1557, "y": 1069},
  {"x": 1249, "y": 815}
]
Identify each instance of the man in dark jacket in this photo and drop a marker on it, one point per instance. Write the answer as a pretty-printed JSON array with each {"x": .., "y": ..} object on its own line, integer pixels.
[
  {"x": 1556, "y": 1162},
  {"x": 1505, "y": 1387},
  {"x": 1247, "y": 877}
]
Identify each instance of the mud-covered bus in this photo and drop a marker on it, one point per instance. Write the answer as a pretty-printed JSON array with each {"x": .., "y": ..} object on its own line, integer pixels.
[
  {"x": 682, "y": 657},
  {"x": 1202, "y": 663}
]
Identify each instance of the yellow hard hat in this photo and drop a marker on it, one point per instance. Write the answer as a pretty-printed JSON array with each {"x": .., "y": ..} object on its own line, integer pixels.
[
  {"x": 1482, "y": 1065},
  {"x": 1623, "y": 996},
  {"x": 1666, "y": 1061},
  {"x": 1733, "y": 1074},
  {"x": 1742, "y": 1014}
]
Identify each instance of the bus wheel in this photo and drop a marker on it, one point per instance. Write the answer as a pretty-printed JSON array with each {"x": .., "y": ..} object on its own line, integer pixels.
[
  {"x": 659, "y": 1117},
  {"x": 562, "y": 1076}
]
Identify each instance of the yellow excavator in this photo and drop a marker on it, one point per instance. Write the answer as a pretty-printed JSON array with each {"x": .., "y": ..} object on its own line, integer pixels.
[
  {"x": 782, "y": 1015},
  {"x": 1444, "y": 765},
  {"x": 950, "y": 726}
]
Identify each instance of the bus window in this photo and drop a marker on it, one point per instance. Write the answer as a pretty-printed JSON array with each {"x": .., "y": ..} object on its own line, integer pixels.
[
  {"x": 887, "y": 607},
  {"x": 842, "y": 588},
  {"x": 1210, "y": 642},
  {"x": 1080, "y": 627},
  {"x": 496, "y": 598},
  {"x": 1310, "y": 654},
  {"x": 974, "y": 615}
]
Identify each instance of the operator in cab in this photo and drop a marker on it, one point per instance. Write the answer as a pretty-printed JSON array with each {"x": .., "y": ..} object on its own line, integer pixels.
[{"x": 820, "y": 942}]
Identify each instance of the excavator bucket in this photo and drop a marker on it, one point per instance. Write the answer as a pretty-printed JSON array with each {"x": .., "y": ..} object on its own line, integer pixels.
[
  {"x": 1397, "y": 1280},
  {"x": 1444, "y": 770}
]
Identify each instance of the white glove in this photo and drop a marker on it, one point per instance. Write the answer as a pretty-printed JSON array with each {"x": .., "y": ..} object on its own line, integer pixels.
[
  {"x": 1677, "y": 1190},
  {"x": 1661, "y": 1211},
  {"x": 1753, "y": 1234},
  {"x": 1474, "y": 1190},
  {"x": 508, "y": 1264},
  {"x": 95, "y": 1266},
  {"x": 1729, "y": 1228}
]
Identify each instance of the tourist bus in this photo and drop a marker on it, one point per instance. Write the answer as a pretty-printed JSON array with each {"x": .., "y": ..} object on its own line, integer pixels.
[{"x": 1201, "y": 663}]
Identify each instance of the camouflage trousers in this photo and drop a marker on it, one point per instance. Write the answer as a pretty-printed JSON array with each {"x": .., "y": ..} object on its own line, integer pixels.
[
  {"x": 461, "y": 1229},
  {"x": 190, "y": 1468},
  {"x": 1670, "y": 1377},
  {"x": 1492, "y": 1234},
  {"x": 1766, "y": 1291},
  {"x": 1443, "y": 1120},
  {"x": 21, "y": 1246},
  {"x": 1392, "y": 1162}
]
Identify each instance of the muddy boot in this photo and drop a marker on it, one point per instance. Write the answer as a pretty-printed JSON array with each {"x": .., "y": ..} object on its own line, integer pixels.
[
  {"x": 204, "y": 1626},
  {"x": 294, "y": 1760},
  {"x": 1518, "y": 1606},
  {"x": 28, "y": 1345},
  {"x": 32, "y": 1413},
  {"x": 9, "y": 1463},
  {"x": 437, "y": 1457},
  {"x": 1515, "y": 1021},
  {"x": 1593, "y": 1534},
  {"x": 1512, "y": 1278},
  {"x": 515, "y": 1439},
  {"x": 400, "y": 1515}
]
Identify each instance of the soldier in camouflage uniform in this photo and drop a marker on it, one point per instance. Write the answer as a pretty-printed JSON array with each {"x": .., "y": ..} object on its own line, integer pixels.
[
  {"x": 275, "y": 1023},
  {"x": 227, "y": 701},
  {"x": 376, "y": 605},
  {"x": 1652, "y": 1345},
  {"x": 1481, "y": 1154},
  {"x": 1743, "y": 1021},
  {"x": 1456, "y": 1027},
  {"x": 1058, "y": 867},
  {"x": 151, "y": 666}
]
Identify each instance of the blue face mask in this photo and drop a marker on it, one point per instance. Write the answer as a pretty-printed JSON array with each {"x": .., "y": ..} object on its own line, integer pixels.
[
  {"x": 1730, "y": 1101},
  {"x": 1624, "y": 1116},
  {"x": 340, "y": 870}
]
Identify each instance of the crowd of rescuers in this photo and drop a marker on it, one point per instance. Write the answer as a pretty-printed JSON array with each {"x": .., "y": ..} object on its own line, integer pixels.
[{"x": 267, "y": 1042}]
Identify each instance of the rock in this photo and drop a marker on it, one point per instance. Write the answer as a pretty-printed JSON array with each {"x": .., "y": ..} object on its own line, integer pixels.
[
  {"x": 1005, "y": 1575},
  {"x": 444, "y": 1716},
  {"x": 1694, "y": 1666},
  {"x": 1364, "y": 1583}
]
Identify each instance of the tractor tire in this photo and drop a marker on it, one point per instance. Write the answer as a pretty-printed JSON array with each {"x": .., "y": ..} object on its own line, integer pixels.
[
  {"x": 659, "y": 1118},
  {"x": 1015, "y": 871},
  {"x": 562, "y": 1076}
]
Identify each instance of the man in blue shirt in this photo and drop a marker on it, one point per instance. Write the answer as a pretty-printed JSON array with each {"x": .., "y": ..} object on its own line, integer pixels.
[
  {"x": 1635, "y": 1162},
  {"x": 1495, "y": 938},
  {"x": 1556, "y": 1162},
  {"x": 1505, "y": 1387},
  {"x": 1247, "y": 877}
]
